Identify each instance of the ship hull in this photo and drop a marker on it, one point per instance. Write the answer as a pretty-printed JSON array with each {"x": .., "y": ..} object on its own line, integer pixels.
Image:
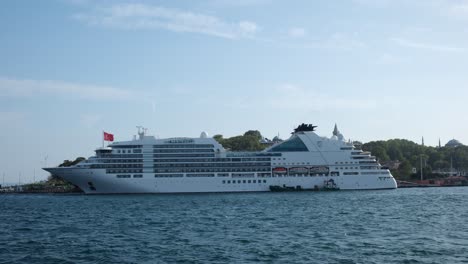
[{"x": 96, "y": 181}]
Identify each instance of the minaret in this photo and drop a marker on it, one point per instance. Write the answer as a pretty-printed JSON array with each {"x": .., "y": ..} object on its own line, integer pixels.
[
  {"x": 439, "y": 144},
  {"x": 422, "y": 141},
  {"x": 335, "y": 130}
]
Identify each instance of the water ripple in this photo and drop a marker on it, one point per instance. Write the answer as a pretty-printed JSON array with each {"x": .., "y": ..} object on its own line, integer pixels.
[{"x": 398, "y": 226}]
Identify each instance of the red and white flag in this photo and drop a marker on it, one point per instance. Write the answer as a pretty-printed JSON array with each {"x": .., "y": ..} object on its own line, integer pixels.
[{"x": 108, "y": 136}]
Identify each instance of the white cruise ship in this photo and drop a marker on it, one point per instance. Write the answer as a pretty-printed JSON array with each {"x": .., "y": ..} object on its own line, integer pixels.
[{"x": 195, "y": 165}]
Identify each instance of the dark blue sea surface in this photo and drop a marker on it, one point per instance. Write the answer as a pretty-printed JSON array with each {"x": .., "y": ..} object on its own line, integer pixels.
[{"x": 424, "y": 225}]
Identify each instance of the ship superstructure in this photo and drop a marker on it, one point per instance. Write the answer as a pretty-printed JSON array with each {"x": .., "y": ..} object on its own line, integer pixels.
[{"x": 185, "y": 165}]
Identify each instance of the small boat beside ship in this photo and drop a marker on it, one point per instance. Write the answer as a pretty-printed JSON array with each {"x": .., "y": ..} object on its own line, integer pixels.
[{"x": 328, "y": 185}]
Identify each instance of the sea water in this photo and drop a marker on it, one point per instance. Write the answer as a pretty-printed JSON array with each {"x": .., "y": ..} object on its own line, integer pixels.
[{"x": 420, "y": 225}]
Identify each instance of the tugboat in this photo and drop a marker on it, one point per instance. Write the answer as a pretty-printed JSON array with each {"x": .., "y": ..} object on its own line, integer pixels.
[{"x": 330, "y": 185}]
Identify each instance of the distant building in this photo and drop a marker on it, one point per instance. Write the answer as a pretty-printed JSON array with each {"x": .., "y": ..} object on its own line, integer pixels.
[
  {"x": 450, "y": 172},
  {"x": 337, "y": 134},
  {"x": 392, "y": 164},
  {"x": 268, "y": 142},
  {"x": 357, "y": 144},
  {"x": 453, "y": 143}
]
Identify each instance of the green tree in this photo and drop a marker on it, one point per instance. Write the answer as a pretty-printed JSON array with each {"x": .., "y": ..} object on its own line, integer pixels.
[
  {"x": 218, "y": 138},
  {"x": 254, "y": 133},
  {"x": 404, "y": 170},
  {"x": 381, "y": 153}
]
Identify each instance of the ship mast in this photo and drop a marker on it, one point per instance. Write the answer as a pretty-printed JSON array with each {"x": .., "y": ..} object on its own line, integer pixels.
[{"x": 141, "y": 131}]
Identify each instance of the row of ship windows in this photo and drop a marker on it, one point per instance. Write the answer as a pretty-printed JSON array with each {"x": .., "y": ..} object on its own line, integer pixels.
[
  {"x": 214, "y": 170},
  {"x": 121, "y": 160},
  {"x": 138, "y": 151},
  {"x": 308, "y": 163},
  {"x": 176, "y": 175},
  {"x": 243, "y": 181},
  {"x": 182, "y": 150},
  {"x": 345, "y": 168},
  {"x": 177, "y": 165},
  {"x": 116, "y": 166},
  {"x": 136, "y": 168},
  {"x": 127, "y": 146},
  {"x": 123, "y": 151},
  {"x": 181, "y": 164},
  {"x": 368, "y": 162},
  {"x": 360, "y": 162},
  {"x": 129, "y": 176},
  {"x": 109, "y": 158},
  {"x": 126, "y": 176},
  {"x": 120, "y": 156},
  {"x": 212, "y": 160},
  {"x": 179, "y": 175},
  {"x": 164, "y": 165},
  {"x": 182, "y": 155},
  {"x": 218, "y": 167},
  {"x": 187, "y": 175},
  {"x": 235, "y": 175},
  {"x": 183, "y": 146},
  {"x": 166, "y": 146},
  {"x": 254, "y": 154},
  {"x": 124, "y": 171},
  {"x": 333, "y": 173},
  {"x": 120, "y": 176}
]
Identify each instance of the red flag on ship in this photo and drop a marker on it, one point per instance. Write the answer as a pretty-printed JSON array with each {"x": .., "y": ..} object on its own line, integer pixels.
[{"x": 108, "y": 137}]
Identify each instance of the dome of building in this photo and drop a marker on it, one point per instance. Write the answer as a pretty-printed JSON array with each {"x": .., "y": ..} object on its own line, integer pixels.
[
  {"x": 204, "y": 135},
  {"x": 453, "y": 143}
]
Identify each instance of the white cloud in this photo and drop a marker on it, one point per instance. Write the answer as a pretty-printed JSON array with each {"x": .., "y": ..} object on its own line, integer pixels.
[
  {"x": 297, "y": 32},
  {"x": 425, "y": 46},
  {"x": 143, "y": 16},
  {"x": 247, "y": 28},
  {"x": 459, "y": 9},
  {"x": 23, "y": 87}
]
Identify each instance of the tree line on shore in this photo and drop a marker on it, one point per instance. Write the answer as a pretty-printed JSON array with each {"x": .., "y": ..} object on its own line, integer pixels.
[{"x": 410, "y": 155}]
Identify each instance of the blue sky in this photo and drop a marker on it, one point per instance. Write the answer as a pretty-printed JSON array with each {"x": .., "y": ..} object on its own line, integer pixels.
[{"x": 381, "y": 69}]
